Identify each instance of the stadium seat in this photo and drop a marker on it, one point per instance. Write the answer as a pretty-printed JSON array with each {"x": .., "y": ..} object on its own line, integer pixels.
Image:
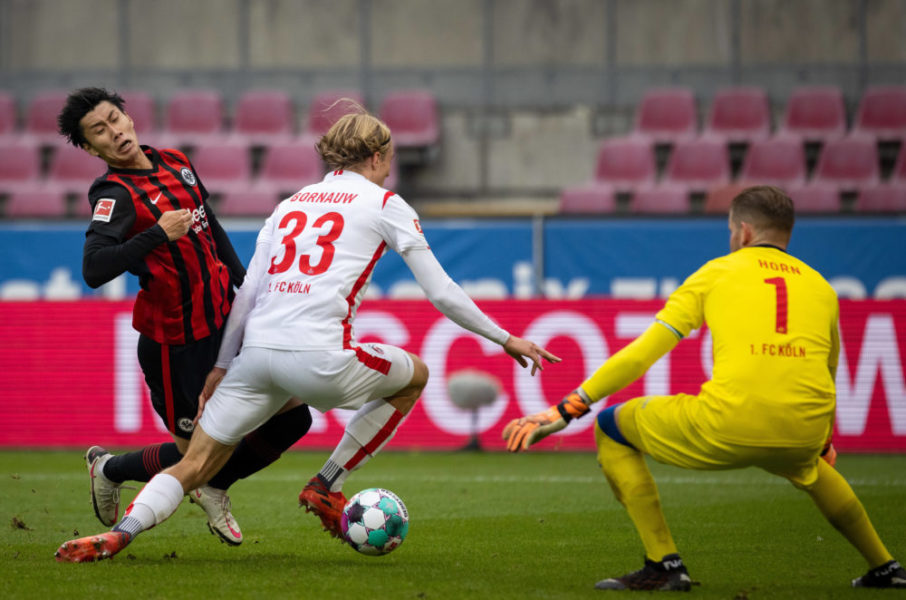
[
  {"x": 37, "y": 202},
  {"x": 778, "y": 160},
  {"x": 41, "y": 116},
  {"x": 73, "y": 170},
  {"x": 817, "y": 113},
  {"x": 849, "y": 163},
  {"x": 739, "y": 115},
  {"x": 815, "y": 197},
  {"x": 718, "y": 198},
  {"x": 882, "y": 113},
  {"x": 326, "y": 107},
  {"x": 888, "y": 197},
  {"x": 596, "y": 197},
  {"x": 142, "y": 110},
  {"x": 626, "y": 163},
  {"x": 288, "y": 167},
  {"x": 194, "y": 117},
  {"x": 247, "y": 202},
  {"x": 667, "y": 115},
  {"x": 20, "y": 165},
  {"x": 662, "y": 199},
  {"x": 8, "y": 120},
  {"x": 223, "y": 165},
  {"x": 412, "y": 116},
  {"x": 699, "y": 164},
  {"x": 264, "y": 117}
]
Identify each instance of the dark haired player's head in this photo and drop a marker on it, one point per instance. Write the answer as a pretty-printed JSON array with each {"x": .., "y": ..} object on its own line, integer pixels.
[
  {"x": 761, "y": 214},
  {"x": 78, "y": 104}
]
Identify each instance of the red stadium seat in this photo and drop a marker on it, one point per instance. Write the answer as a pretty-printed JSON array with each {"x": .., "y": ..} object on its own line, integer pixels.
[
  {"x": 328, "y": 106},
  {"x": 8, "y": 121},
  {"x": 37, "y": 202},
  {"x": 699, "y": 164},
  {"x": 817, "y": 113},
  {"x": 247, "y": 202},
  {"x": 288, "y": 167},
  {"x": 264, "y": 117},
  {"x": 626, "y": 163},
  {"x": 815, "y": 197},
  {"x": 778, "y": 160},
  {"x": 142, "y": 110},
  {"x": 662, "y": 199},
  {"x": 849, "y": 163},
  {"x": 41, "y": 116},
  {"x": 740, "y": 115},
  {"x": 595, "y": 197},
  {"x": 719, "y": 198},
  {"x": 73, "y": 170},
  {"x": 412, "y": 116},
  {"x": 887, "y": 197},
  {"x": 20, "y": 165},
  {"x": 194, "y": 117},
  {"x": 667, "y": 115},
  {"x": 223, "y": 165},
  {"x": 882, "y": 113}
]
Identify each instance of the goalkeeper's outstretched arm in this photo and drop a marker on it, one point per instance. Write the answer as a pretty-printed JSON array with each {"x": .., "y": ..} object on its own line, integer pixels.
[{"x": 620, "y": 370}]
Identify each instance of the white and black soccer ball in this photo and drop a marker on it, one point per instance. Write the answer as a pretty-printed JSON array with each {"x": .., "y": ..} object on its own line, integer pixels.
[{"x": 375, "y": 521}]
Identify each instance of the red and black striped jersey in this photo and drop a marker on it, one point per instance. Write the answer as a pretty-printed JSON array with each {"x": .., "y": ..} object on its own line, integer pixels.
[{"x": 186, "y": 285}]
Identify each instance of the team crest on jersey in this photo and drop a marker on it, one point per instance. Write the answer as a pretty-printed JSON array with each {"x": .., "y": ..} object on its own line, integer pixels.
[
  {"x": 186, "y": 425},
  {"x": 188, "y": 176},
  {"x": 103, "y": 210}
]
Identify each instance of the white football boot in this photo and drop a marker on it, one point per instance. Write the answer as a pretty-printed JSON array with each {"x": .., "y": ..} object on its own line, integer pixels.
[
  {"x": 216, "y": 503},
  {"x": 105, "y": 494}
]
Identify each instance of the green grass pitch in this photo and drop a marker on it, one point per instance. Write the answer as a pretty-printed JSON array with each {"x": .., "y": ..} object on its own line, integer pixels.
[{"x": 482, "y": 525}]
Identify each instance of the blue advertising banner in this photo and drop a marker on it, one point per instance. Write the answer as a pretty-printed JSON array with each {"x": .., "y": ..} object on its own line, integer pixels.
[{"x": 620, "y": 258}]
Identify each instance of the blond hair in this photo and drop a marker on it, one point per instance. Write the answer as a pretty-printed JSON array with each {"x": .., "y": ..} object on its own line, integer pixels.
[{"x": 355, "y": 137}]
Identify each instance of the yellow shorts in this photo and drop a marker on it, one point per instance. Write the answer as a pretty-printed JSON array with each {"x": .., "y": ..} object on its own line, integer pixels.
[{"x": 660, "y": 427}]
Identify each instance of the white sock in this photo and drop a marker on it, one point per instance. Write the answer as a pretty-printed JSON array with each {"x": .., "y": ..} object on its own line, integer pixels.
[
  {"x": 157, "y": 500},
  {"x": 369, "y": 430}
]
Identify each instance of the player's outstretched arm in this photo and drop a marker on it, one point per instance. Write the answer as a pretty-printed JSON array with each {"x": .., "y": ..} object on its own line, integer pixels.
[
  {"x": 521, "y": 349},
  {"x": 620, "y": 370},
  {"x": 523, "y": 432}
]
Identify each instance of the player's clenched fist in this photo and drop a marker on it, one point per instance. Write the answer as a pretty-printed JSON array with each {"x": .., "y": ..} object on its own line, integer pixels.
[
  {"x": 176, "y": 223},
  {"x": 525, "y": 431}
]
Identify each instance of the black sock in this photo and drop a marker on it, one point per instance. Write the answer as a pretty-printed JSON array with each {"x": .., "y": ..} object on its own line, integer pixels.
[
  {"x": 263, "y": 446},
  {"x": 143, "y": 464}
]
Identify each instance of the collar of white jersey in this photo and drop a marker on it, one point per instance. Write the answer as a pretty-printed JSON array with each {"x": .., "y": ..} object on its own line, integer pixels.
[{"x": 344, "y": 174}]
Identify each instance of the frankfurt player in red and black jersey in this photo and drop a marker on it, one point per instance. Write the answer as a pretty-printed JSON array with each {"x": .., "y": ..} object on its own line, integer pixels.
[{"x": 150, "y": 217}]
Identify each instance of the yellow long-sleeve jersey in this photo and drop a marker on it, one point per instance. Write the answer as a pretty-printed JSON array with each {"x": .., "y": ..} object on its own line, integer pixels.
[{"x": 774, "y": 326}]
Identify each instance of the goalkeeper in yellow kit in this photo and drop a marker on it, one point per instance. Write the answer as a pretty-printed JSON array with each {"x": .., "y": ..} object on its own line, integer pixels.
[{"x": 769, "y": 404}]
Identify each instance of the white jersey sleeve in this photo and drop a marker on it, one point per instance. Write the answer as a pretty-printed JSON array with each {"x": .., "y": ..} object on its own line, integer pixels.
[
  {"x": 449, "y": 298},
  {"x": 245, "y": 298},
  {"x": 399, "y": 226}
]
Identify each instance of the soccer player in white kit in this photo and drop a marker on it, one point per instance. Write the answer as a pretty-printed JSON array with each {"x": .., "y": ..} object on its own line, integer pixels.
[{"x": 293, "y": 317}]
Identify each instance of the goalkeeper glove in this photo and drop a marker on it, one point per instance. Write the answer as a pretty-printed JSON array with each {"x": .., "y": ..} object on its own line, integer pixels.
[
  {"x": 522, "y": 433},
  {"x": 829, "y": 454}
]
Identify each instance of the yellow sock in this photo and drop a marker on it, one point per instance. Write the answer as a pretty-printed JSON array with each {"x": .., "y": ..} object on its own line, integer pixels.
[
  {"x": 840, "y": 506},
  {"x": 634, "y": 487}
]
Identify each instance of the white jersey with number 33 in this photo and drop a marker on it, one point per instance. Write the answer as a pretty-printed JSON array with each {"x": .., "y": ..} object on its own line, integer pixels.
[{"x": 314, "y": 258}]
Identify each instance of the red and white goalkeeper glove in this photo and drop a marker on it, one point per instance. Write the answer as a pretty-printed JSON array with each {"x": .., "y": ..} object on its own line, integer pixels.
[{"x": 523, "y": 432}]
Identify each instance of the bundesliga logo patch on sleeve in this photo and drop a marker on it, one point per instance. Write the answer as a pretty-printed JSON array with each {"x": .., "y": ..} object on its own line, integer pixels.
[{"x": 103, "y": 210}]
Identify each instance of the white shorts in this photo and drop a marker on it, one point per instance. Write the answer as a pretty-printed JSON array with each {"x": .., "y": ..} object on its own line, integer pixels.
[{"x": 261, "y": 380}]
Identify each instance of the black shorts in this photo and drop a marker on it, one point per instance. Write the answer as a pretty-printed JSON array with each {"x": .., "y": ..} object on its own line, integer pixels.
[{"x": 176, "y": 375}]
